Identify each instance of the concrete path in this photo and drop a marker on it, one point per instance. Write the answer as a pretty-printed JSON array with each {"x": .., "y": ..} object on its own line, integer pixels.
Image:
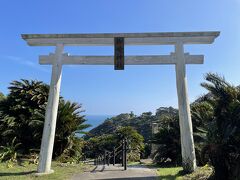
[{"x": 117, "y": 172}]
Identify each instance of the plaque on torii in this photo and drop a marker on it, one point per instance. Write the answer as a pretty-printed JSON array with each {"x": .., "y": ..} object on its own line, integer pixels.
[{"x": 119, "y": 53}]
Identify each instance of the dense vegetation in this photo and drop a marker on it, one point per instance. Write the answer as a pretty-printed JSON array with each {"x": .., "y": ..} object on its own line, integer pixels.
[
  {"x": 1, "y": 96},
  {"x": 215, "y": 117},
  {"x": 223, "y": 137},
  {"x": 216, "y": 127},
  {"x": 98, "y": 144},
  {"x": 140, "y": 123},
  {"x": 21, "y": 122}
]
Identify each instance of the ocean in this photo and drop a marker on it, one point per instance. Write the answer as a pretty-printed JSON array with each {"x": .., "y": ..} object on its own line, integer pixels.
[{"x": 96, "y": 120}]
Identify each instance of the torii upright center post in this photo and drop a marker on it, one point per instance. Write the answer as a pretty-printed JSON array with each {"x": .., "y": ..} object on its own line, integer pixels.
[{"x": 177, "y": 58}]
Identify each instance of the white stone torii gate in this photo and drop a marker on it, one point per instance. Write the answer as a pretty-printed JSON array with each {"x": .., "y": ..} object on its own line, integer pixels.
[{"x": 177, "y": 58}]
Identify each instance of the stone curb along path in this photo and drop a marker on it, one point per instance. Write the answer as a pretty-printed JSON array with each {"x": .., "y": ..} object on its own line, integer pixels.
[{"x": 116, "y": 172}]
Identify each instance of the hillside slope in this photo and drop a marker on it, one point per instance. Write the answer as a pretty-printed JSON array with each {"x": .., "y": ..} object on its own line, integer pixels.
[{"x": 141, "y": 123}]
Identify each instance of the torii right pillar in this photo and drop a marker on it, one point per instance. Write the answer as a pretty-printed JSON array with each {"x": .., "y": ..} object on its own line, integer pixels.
[{"x": 185, "y": 121}]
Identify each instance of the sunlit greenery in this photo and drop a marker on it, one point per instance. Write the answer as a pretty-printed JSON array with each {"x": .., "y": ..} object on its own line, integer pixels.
[
  {"x": 216, "y": 127},
  {"x": 98, "y": 144},
  {"x": 170, "y": 173},
  {"x": 27, "y": 171},
  {"x": 215, "y": 118},
  {"x": 22, "y": 114}
]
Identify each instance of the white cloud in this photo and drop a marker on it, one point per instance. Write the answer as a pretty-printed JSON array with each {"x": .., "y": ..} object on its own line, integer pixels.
[{"x": 23, "y": 61}]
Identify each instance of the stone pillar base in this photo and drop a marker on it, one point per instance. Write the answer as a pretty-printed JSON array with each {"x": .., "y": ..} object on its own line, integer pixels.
[{"x": 44, "y": 173}]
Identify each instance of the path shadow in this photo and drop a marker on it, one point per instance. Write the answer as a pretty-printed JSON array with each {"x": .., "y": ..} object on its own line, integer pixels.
[
  {"x": 168, "y": 177},
  {"x": 114, "y": 170},
  {"x": 134, "y": 178},
  {"x": 105, "y": 169},
  {"x": 94, "y": 170},
  {"x": 16, "y": 173},
  {"x": 102, "y": 169},
  {"x": 141, "y": 166}
]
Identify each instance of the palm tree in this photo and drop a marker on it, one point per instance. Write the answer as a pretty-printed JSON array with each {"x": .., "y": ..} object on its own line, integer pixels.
[
  {"x": 168, "y": 139},
  {"x": 202, "y": 114},
  {"x": 223, "y": 146},
  {"x": 22, "y": 115},
  {"x": 21, "y": 112},
  {"x": 70, "y": 122},
  {"x": 1, "y": 96}
]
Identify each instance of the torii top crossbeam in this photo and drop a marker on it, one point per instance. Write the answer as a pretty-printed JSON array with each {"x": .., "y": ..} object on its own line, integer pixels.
[
  {"x": 168, "y": 38},
  {"x": 107, "y": 39}
]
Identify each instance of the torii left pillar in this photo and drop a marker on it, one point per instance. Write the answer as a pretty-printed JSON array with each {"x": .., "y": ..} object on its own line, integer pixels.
[{"x": 45, "y": 158}]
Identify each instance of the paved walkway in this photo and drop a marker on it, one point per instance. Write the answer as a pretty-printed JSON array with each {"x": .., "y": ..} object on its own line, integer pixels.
[{"x": 117, "y": 172}]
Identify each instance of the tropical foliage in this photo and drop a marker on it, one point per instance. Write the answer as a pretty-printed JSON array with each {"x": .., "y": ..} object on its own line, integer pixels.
[
  {"x": 215, "y": 117},
  {"x": 69, "y": 122},
  {"x": 168, "y": 137},
  {"x": 168, "y": 140},
  {"x": 216, "y": 127},
  {"x": 223, "y": 137},
  {"x": 97, "y": 145},
  {"x": 8, "y": 152},
  {"x": 22, "y": 115},
  {"x": 142, "y": 124},
  {"x": 134, "y": 142},
  {"x": 1, "y": 96}
]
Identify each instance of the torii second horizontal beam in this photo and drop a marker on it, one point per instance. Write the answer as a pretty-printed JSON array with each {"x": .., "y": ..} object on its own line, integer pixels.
[{"x": 129, "y": 60}]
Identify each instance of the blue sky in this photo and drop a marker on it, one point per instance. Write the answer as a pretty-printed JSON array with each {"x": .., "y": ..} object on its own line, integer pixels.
[{"x": 100, "y": 89}]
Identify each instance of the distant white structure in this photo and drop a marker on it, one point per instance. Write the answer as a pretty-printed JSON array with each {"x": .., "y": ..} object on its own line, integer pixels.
[
  {"x": 178, "y": 58},
  {"x": 155, "y": 130}
]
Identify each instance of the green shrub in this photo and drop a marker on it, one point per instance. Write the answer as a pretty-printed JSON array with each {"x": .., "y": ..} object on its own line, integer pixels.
[{"x": 9, "y": 152}]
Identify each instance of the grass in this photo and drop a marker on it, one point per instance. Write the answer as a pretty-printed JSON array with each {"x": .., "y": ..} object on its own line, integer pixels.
[
  {"x": 176, "y": 173},
  {"x": 204, "y": 172},
  {"x": 27, "y": 172},
  {"x": 170, "y": 173},
  {"x": 65, "y": 171},
  {"x": 133, "y": 163}
]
